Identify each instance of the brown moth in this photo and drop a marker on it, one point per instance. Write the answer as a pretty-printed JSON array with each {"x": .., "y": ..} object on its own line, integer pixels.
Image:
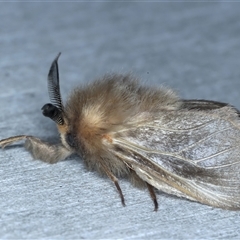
[{"x": 188, "y": 148}]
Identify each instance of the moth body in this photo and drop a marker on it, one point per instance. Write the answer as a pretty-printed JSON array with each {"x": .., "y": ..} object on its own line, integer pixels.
[
  {"x": 188, "y": 148},
  {"x": 96, "y": 112}
]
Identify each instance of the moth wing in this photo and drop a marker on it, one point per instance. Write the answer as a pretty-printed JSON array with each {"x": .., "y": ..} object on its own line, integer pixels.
[{"x": 188, "y": 153}]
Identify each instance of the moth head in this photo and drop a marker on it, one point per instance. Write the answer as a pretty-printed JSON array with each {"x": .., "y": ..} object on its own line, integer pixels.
[
  {"x": 51, "y": 111},
  {"x": 55, "y": 109}
]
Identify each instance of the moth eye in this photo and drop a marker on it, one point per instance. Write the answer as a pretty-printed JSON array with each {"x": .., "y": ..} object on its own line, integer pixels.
[
  {"x": 70, "y": 139},
  {"x": 51, "y": 111}
]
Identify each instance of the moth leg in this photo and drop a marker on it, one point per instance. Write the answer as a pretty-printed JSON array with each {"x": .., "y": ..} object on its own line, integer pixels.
[
  {"x": 115, "y": 180},
  {"x": 40, "y": 150},
  {"x": 45, "y": 151},
  {"x": 153, "y": 196},
  {"x": 8, "y": 141}
]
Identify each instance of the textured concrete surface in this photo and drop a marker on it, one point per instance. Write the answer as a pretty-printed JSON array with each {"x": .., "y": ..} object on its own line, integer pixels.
[{"x": 192, "y": 47}]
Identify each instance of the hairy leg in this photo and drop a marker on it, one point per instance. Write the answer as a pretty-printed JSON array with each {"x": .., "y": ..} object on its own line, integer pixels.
[
  {"x": 39, "y": 150},
  {"x": 115, "y": 180}
]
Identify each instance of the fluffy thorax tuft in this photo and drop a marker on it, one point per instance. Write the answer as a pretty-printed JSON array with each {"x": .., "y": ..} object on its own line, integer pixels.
[{"x": 96, "y": 110}]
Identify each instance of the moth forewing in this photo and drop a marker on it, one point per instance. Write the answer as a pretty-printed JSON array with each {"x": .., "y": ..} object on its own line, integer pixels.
[{"x": 188, "y": 153}]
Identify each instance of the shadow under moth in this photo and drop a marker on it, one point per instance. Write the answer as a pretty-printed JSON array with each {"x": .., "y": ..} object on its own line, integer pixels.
[{"x": 188, "y": 148}]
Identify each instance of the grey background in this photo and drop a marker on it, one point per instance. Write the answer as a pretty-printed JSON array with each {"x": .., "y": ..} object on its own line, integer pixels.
[{"x": 191, "y": 47}]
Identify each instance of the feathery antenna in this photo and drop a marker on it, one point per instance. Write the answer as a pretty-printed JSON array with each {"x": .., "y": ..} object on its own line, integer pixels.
[{"x": 53, "y": 85}]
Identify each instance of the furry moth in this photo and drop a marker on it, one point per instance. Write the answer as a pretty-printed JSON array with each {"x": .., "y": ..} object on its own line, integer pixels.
[{"x": 188, "y": 148}]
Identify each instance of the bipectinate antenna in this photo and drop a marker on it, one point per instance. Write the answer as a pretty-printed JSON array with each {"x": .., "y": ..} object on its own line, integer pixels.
[
  {"x": 53, "y": 85},
  {"x": 54, "y": 110}
]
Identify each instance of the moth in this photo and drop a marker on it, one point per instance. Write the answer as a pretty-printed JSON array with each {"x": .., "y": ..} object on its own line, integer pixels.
[{"x": 187, "y": 148}]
